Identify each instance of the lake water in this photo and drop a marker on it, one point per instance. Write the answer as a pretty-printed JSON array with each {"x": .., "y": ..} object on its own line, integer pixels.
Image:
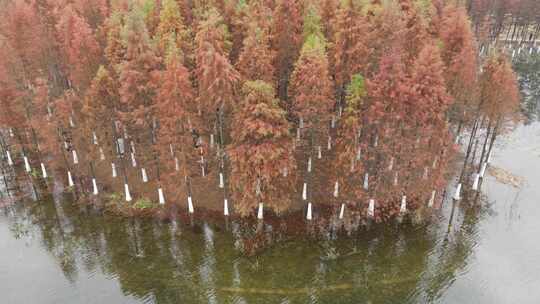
[{"x": 54, "y": 251}]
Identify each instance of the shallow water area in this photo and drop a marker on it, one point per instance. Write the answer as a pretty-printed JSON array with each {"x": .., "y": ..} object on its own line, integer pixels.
[{"x": 54, "y": 251}]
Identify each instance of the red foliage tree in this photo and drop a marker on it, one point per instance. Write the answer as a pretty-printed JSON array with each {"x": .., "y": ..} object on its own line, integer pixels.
[
  {"x": 348, "y": 166},
  {"x": 286, "y": 32},
  {"x": 172, "y": 26},
  {"x": 350, "y": 52},
  {"x": 115, "y": 50},
  {"x": 459, "y": 57},
  {"x": 311, "y": 88},
  {"x": 137, "y": 77},
  {"x": 381, "y": 133},
  {"x": 261, "y": 150},
  {"x": 215, "y": 75},
  {"x": 176, "y": 110},
  {"x": 414, "y": 33},
  {"x": 255, "y": 61},
  {"x": 26, "y": 36},
  {"x": 81, "y": 49},
  {"x": 99, "y": 110}
]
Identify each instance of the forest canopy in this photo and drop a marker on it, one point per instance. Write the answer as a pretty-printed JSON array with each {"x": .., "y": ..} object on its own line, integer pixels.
[{"x": 274, "y": 103}]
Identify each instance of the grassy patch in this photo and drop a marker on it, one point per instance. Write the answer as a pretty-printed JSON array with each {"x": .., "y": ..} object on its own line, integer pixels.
[{"x": 143, "y": 203}]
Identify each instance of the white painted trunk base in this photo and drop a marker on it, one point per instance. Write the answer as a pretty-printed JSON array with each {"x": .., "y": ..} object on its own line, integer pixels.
[
  {"x": 144, "y": 175},
  {"x": 309, "y": 215},
  {"x": 203, "y": 172},
  {"x": 95, "y": 187},
  {"x": 101, "y": 154},
  {"x": 75, "y": 157},
  {"x": 190, "y": 205},
  {"x": 403, "y": 207},
  {"x": 304, "y": 192},
  {"x": 9, "y": 160},
  {"x": 366, "y": 181},
  {"x": 161, "y": 197},
  {"x": 476, "y": 180},
  {"x": 336, "y": 189},
  {"x": 113, "y": 167},
  {"x": 127, "y": 193},
  {"x": 27, "y": 165},
  {"x": 457, "y": 194},
  {"x": 432, "y": 199},
  {"x": 70, "y": 180},
  {"x": 43, "y": 171},
  {"x": 133, "y": 160},
  {"x": 225, "y": 207},
  {"x": 221, "y": 182},
  {"x": 371, "y": 208},
  {"x": 342, "y": 211},
  {"x": 260, "y": 211},
  {"x": 329, "y": 144},
  {"x": 483, "y": 170}
]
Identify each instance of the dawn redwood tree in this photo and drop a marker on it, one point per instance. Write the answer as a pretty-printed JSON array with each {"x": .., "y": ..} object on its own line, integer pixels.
[
  {"x": 216, "y": 77},
  {"x": 385, "y": 25},
  {"x": 350, "y": 52},
  {"x": 262, "y": 160},
  {"x": 311, "y": 89},
  {"x": 172, "y": 26},
  {"x": 286, "y": 33},
  {"x": 176, "y": 110},
  {"x": 79, "y": 45},
  {"x": 25, "y": 35},
  {"x": 459, "y": 54},
  {"x": 137, "y": 78},
  {"x": 94, "y": 11},
  {"x": 151, "y": 14},
  {"x": 348, "y": 167},
  {"x": 115, "y": 50},
  {"x": 13, "y": 112},
  {"x": 499, "y": 94},
  {"x": 255, "y": 61},
  {"x": 428, "y": 131},
  {"x": 414, "y": 33},
  {"x": 99, "y": 110},
  {"x": 39, "y": 114},
  {"x": 328, "y": 10},
  {"x": 382, "y": 130},
  {"x": 258, "y": 12}
]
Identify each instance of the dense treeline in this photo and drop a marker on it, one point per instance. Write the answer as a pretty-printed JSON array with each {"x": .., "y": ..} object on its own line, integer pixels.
[
  {"x": 515, "y": 21},
  {"x": 263, "y": 103}
]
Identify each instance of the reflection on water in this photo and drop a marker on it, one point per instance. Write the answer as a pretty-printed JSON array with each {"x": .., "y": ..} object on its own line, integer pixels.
[{"x": 54, "y": 251}]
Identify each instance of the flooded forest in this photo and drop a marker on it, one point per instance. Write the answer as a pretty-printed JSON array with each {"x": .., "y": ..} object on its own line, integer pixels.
[{"x": 269, "y": 151}]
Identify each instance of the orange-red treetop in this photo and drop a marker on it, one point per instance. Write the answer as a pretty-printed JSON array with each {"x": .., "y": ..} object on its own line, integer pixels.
[
  {"x": 458, "y": 54},
  {"x": 216, "y": 76},
  {"x": 499, "y": 91},
  {"x": 311, "y": 89}
]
